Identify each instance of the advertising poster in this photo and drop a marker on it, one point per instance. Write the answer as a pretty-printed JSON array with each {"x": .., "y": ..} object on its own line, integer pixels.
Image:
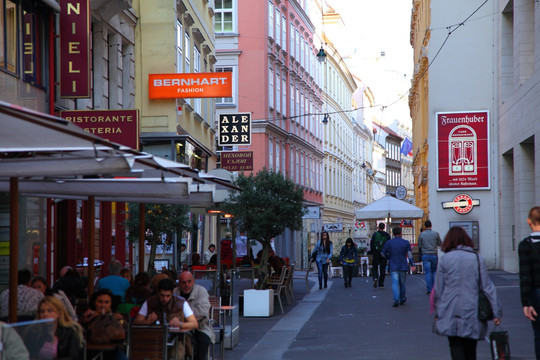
[{"x": 463, "y": 150}]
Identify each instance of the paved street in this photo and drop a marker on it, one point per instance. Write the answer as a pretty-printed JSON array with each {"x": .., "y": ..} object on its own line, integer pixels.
[{"x": 359, "y": 323}]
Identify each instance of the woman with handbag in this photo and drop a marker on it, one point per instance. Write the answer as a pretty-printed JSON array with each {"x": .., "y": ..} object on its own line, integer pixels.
[
  {"x": 348, "y": 257},
  {"x": 322, "y": 253},
  {"x": 105, "y": 327},
  {"x": 461, "y": 279}
]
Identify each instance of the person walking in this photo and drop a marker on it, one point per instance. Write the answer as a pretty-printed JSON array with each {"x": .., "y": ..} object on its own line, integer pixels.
[
  {"x": 397, "y": 250},
  {"x": 348, "y": 258},
  {"x": 379, "y": 238},
  {"x": 457, "y": 285},
  {"x": 322, "y": 253},
  {"x": 428, "y": 242},
  {"x": 529, "y": 275}
]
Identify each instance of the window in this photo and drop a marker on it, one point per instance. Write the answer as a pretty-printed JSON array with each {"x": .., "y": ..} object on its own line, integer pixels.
[
  {"x": 278, "y": 158},
  {"x": 226, "y": 100},
  {"x": 291, "y": 98},
  {"x": 278, "y": 92},
  {"x": 291, "y": 37},
  {"x": 297, "y": 46},
  {"x": 278, "y": 27},
  {"x": 271, "y": 154},
  {"x": 284, "y": 33},
  {"x": 8, "y": 35},
  {"x": 297, "y": 168},
  {"x": 271, "y": 87},
  {"x": 223, "y": 16},
  {"x": 179, "y": 50},
  {"x": 284, "y": 94},
  {"x": 187, "y": 68},
  {"x": 291, "y": 168},
  {"x": 271, "y": 20}
]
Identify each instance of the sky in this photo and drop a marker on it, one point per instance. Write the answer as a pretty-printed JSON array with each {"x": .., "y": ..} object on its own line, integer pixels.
[{"x": 373, "y": 27}]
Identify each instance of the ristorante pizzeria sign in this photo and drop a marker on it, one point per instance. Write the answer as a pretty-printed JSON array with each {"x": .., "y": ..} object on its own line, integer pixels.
[{"x": 463, "y": 150}]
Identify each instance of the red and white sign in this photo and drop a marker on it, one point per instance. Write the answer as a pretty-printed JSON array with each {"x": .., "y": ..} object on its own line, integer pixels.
[
  {"x": 462, "y": 204},
  {"x": 463, "y": 150},
  {"x": 190, "y": 85}
]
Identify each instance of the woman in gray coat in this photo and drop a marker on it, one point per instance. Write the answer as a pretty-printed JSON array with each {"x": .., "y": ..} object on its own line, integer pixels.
[{"x": 456, "y": 295}]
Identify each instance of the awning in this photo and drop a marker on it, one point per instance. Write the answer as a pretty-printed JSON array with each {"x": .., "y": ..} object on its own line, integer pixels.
[{"x": 389, "y": 207}]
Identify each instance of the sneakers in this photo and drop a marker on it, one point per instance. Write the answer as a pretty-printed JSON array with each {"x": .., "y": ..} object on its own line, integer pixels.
[
  {"x": 395, "y": 304},
  {"x": 375, "y": 282}
]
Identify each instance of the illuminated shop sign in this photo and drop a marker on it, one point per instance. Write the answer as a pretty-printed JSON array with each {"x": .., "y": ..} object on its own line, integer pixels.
[
  {"x": 190, "y": 85},
  {"x": 463, "y": 150},
  {"x": 74, "y": 48}
]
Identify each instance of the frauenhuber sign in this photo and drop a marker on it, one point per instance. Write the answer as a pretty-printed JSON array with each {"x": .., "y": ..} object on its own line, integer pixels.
[{"x": 463, "y": 150}]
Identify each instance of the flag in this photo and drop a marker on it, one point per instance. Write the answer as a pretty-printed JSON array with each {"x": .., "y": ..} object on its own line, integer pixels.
[{"x": 406, "y": 147}]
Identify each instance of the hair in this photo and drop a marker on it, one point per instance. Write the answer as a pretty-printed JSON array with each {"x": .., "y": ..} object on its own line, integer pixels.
[
  {"x": 534, "y": 215},
  {"x": 349, "y": 240},
  {"x": 156, "y": 279},
  {"x": 166, "y": 284},
  {"x": 211, "y": 246},
  {"x": 115, "y": 266},
  {"x": 213, "y": 260},
  {"x": 456, "y": 236},
  {"x": 396, "y": 231},
  {"x": 246, "y": 260},
  {"x": 142, "y": 279},
  {"x": 124, "y": 272},
  {"x": 24, "y": 276},
  {"x": 95, "y": 295},
  {"x": 41, "y": 279},
  {"x": 381, "y": 226},
  {"x": 327, "y": 245},
  {"x": 182, "y": 245},
  {"x": 64, "y": 319},
  {"x": 427, "y": 223}
]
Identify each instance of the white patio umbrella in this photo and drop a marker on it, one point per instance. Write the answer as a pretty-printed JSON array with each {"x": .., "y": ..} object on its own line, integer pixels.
[{"x": 389, "y": 207}]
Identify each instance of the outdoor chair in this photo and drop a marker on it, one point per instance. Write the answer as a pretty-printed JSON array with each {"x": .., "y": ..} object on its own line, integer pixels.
[
  {"x": 278, "y": 284},
  {"x": 304, "y": 276},
  {"x": 147, "y": 342},
  {"x": 215, "y": 321}
]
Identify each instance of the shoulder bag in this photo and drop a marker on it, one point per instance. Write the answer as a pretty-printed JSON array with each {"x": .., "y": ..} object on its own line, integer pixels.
[{"x": 485, "y": 312}]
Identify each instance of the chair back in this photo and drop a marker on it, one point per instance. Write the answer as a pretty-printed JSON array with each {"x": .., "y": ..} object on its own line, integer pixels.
[
  {"x": 147, "y": 342},
  {"x": 207, "y": 279},
  {"x": 215, "y": 303}
]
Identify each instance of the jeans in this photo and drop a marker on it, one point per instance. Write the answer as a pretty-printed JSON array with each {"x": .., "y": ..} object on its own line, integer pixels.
[
  {"x": 398, "y": 285},
  {"x": 202, "y": 343},
  {"x": 347, "y": 274},
  {"x": 379, "y": 268},
  {"x": 323, "y": 271},
  {"x": 430, "y": 268},
  {"x": 462, "y": 348},
  {"x": 536, "y": 324}
]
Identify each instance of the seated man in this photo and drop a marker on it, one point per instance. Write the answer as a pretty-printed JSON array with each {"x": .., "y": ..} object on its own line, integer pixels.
[
  {"x": 114, "y": 282},
  {"x": 197, "y": 297},
  {"x": 166, "y": 306}
]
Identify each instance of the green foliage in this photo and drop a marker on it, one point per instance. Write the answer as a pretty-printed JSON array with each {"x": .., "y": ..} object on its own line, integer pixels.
[
  {"x": 267, "y": 204},
  {"x": 159, "y": 219}
]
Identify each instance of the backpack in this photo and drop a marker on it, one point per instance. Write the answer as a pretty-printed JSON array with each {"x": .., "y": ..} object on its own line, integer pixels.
[{"x": 378, "y": 241}]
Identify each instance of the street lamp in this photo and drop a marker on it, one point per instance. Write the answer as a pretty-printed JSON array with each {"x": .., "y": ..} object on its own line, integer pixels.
[
  {"x": 325, "y": 119},
  {"x": 321, "y": 55}
]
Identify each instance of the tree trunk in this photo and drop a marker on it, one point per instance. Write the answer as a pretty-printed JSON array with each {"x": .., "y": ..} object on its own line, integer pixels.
[
  {"x": 263, "y": 269},
  {"x": 151, "y": 258}
]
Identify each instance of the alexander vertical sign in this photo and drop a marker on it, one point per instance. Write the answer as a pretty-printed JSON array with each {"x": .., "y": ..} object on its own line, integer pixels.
[
  {"x": 463, "y": 150},
  {"x": 234, "y": 129},
  {"x": 74, "y": 48}
]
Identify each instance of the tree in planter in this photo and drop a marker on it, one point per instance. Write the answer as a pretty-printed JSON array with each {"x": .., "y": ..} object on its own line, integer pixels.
[
  {"x": 159, "y": 219},
  {"x": 266, "y": 205}
]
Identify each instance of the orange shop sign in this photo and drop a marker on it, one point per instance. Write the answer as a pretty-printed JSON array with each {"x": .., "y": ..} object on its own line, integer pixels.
[{"x": 190, "y": 85}]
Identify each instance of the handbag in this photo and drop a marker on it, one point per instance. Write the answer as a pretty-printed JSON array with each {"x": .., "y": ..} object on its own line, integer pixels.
[
  {"x": 499, "y": 344},
  {"x": 106, "y": 329},
  {"x": 485, "y": 311}
]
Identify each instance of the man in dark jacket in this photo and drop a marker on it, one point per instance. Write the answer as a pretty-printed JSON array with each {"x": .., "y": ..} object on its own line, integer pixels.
[
  {"x": 376, "y": 245},
  {"x": 397, "y": 251},
  {"x": 529, "y": 274}
]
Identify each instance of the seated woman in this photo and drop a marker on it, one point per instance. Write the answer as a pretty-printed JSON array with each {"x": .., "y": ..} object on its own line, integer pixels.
[
  {"x": 67, "y": 342},
  {"x": 102, "y": 316},
  {"x": 140, "y": 290},
  {"x": 246, "y": 262},
  {"x": 39, "y": 283}
]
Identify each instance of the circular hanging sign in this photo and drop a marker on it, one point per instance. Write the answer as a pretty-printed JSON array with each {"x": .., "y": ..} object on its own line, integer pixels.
[
  {"x": 401, "y": 192},
  {"x": 463, "y": 203}
]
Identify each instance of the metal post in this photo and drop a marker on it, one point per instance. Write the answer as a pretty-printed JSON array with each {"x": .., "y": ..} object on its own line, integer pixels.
[
  {"x": 13, "y": 247},
  {"x": 91, "y": 224},
  {"x": 142, "y": 232}
]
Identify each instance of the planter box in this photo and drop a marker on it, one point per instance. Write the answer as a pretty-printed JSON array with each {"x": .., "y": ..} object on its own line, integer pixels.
[{"x": 258, "y": 303}]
